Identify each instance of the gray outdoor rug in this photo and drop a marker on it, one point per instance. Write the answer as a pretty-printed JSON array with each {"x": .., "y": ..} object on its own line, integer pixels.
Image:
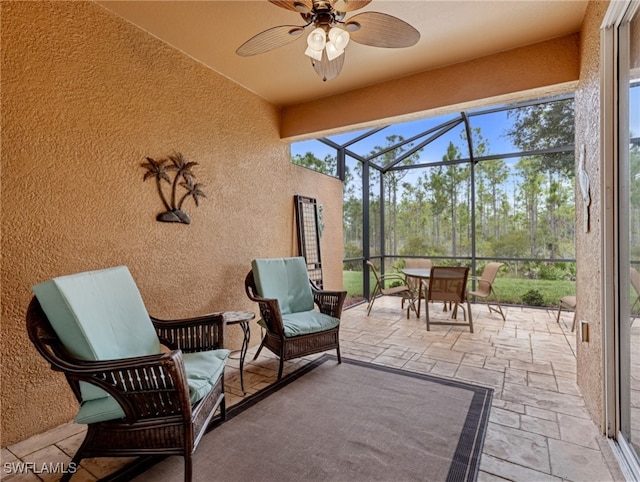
[{"x": 350, "y": 422}]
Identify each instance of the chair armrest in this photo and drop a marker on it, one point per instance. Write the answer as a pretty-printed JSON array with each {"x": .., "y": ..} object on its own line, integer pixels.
[
  {"x": 402, "y": 279},
  {"x": 329, "y": 302},
  {"x": 145, "y": 387},
  {"x": 269, "y": 307},
  {"x": 271, "y": 315},
  {"x": 201, "y": 333},
  {"x": 393, "y": 276},
  {"x": 479, "y": 280}
]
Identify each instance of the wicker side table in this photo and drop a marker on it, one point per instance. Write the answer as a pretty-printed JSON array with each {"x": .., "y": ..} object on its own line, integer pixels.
[{"x": 242, "y": 318}]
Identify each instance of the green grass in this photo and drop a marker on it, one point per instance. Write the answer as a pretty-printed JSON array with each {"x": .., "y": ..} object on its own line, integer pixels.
[
  {"x": 352, "y": 281},
  {"x": 510, "y": 290}
]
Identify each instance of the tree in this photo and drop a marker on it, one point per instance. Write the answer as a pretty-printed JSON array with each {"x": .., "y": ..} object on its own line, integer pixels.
[
  {"x": 309, "y": 160},
  {"x": 435, "y": 185},
  {"x": 545, "y": 126},
  {"x": 454, "y": 174},
  {"x": 495, "y": 173},
  {"x": 392, "y": 181},
  {"x": 529, "y": 192}
]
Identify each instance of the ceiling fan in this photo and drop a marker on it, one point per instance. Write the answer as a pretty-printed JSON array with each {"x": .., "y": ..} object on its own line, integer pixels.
[{"x": 331, "y": 32}]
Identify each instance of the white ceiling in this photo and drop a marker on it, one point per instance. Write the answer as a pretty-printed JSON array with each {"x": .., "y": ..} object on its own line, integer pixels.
[{"x": 451, "y": 31}]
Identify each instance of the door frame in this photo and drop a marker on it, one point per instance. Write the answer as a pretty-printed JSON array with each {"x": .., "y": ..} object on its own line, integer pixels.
[{"x": 614, "y": 108}]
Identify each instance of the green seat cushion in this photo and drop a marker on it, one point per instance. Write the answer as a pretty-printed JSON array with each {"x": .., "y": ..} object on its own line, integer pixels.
[
  {"x": 285, "y": 279},
  {"x": 305, "y": 323},
  {"x": 98, "y": 315},
  {"x": 203, "y": 370}
]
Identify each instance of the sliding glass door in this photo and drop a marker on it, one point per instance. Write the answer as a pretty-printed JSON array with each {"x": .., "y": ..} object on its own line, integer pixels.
[{"x": 622, "y": 151}]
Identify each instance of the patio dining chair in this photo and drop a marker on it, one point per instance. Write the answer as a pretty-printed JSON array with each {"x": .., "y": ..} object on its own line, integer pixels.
[
  {"x": 136, "y": 398},
  {"x": 485, "y": 288},
  {"x": 399, "y": 288},
  {"x": 413, "y": 283},
  {"x": 449, "y": 284},
  {"x": 286, "y": 298}
]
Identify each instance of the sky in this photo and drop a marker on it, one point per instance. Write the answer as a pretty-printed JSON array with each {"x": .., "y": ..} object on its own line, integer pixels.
[{"x": 492, "y": 126}]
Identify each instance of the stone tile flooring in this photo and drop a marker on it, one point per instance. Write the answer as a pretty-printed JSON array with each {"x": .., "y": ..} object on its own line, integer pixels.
[{"x": 539, "y": 428}]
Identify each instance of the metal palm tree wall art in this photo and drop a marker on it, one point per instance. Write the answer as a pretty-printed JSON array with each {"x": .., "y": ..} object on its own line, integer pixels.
[{"x": 183, "y": 176}]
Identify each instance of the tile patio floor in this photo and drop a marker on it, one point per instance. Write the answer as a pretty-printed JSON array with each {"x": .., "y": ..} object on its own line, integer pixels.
[{"x": 539, "y": 429}]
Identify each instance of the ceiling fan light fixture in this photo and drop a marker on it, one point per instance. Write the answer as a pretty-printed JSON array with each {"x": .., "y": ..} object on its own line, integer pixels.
[
  {"x": 314, "y": 54},
  {"x": 316, "y": 42},
  {"x": 317, "y": 39},
  {"x": 339, "y": 38},
  {"x": 332, "y": 51}
]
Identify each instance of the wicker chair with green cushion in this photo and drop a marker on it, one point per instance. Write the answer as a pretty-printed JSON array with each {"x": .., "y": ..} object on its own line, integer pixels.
[
  {"x": 287, "y": 298},
  {"x": 136, "y": 398}
]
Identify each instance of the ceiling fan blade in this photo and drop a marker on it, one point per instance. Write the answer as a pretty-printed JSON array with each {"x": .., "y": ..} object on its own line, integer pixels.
[
  {"x": 328, "y": 69},
  {"x": 270, "y": 39},
  {"x": 381, "y": 30},
  {"x": 349, "y": 5},
  {"x": 300, "y": 6}
]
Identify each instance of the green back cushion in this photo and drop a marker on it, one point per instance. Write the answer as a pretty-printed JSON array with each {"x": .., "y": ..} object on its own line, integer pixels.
[
  {"x": 98, "y": 315},
  {"x": 285, "y": 279}
]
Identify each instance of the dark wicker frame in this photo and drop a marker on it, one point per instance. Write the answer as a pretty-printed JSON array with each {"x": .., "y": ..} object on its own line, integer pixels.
[
  {"x": 152, "y": 390},
  {"x": 287, "y": 348}
]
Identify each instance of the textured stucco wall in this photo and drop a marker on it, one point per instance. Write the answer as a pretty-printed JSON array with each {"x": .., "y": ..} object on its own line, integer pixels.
[
  {"x": 85, "y": 97},
  {"x": 588, "y": 245}
]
